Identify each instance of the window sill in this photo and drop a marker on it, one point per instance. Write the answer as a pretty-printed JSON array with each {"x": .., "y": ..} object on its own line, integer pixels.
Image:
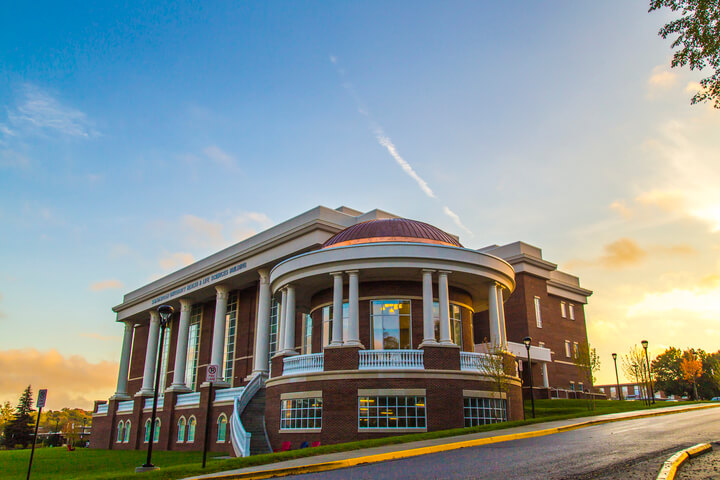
[
  {"x": 387, "y": 429},
  {"x": 300, "y": 430}
]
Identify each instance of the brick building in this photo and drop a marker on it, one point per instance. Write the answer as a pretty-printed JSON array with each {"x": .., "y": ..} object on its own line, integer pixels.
[{"x": 338, "y": 325}]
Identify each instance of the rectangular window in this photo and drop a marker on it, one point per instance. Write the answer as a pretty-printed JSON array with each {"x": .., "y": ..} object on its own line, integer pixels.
[
  {"x": 572, "y": 312},
  {"x": 274, "y": 310},
  {"x": 576, "y": 349},
  {"x": 327, "y": 319},
  {"x": 568, "y": 353},
  {"x": 481, "y": 411},
  {"x": 230, "y": 327},
  {"x": 563, "y": 309},
  {"x": 390, "y": 324},
  {"x": 307, "y": 326},
  {"x": 538, "y": 317},
  {"x": 455, "y": 323},
  {"x": 193, "y": 347},
  {"x": 541, "y": 344},
  {"x": 164, "y": 360},
  {"x": 624, "y": 390},
  {"x": 301, "y": 414},
  {"x": 580, "y": 386},
  {"x": 572, "y": 386},
  {"x": 391, "y": 412}
]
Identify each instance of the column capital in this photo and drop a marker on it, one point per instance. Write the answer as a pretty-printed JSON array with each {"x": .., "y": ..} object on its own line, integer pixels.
[
  {"x": 185, "y": 304},
  {"x": 352, "y": 272},
  {"x": 444, "y": 272},
  {"x": 154, "y": 316},
  {"x": 129, "y": 325},
  {"x": 221, "y": 291},
  {"x": 264, "y": 275},
  {"x": 335, "y": 274},
  {"x": 428, "y": 270}
]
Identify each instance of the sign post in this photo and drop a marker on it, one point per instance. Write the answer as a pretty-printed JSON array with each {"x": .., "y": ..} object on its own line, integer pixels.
[
  {"x": 42, "y": 396},
  {"x": 211, "y": 376}
]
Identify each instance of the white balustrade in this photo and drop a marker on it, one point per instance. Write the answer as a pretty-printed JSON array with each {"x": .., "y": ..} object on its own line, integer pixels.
[
  {"x": 238, "y": 435},
  {"x": 102, "y": 408},
  {"x": 225, "y": 394},
  {"x": 149, "y": 402},
  {"x": 303, "y": 363},
  {"x": 391, "y": 359},
  {"x": 188, "y": 399},
  {"x": 473, "y": 362},
  {"x": 126, "y": 406}
]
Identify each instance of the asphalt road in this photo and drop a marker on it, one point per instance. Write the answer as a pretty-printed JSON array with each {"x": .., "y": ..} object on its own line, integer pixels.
[{"x": 632, "y": 449}]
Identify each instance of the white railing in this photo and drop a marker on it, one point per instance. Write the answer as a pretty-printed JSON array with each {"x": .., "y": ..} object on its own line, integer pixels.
[
  {"x": 102, "y": 408},
  {"x": 303, "y": 363},
  {"x": 188, "y": 399},
  {"x": 225, "y": 394},
  {"x": 239, "y": 436},
  {"x": 391, "y": 359},
  {"x": 126, "y": 406},
  {"x": 473, "y": 362},
  {"x": 149, "y": 401}
]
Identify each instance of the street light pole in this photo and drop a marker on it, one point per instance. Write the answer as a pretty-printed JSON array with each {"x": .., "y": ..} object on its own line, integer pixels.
[
  {"x": 527, "y": 341},
  {"x": 617, "y": 379},
  {"x": 647, "y": 360},
  {"x": 165, "y": 312}
]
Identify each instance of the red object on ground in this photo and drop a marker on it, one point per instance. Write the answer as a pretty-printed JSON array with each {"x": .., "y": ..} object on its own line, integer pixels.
[
  {"x": 285, "y": 447},
  {"x": 315, "y": 444}
]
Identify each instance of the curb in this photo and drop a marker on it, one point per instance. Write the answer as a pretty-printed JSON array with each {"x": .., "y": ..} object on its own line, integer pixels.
[
  {"x": 669, "y": 468},
  {"x": 381, "y": 457}
]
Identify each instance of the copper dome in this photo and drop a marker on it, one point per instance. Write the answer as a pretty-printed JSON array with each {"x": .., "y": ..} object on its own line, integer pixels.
[{"x": 391, "y": 230}]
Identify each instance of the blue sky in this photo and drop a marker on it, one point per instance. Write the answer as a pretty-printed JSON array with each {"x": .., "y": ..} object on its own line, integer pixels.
[{"x": 136, "y": 138}]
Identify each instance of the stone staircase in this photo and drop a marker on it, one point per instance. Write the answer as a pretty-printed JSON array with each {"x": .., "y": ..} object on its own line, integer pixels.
[{"x": 253, "y": 419}]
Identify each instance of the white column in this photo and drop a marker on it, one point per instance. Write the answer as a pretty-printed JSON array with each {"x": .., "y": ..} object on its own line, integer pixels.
[
  {"x": 444, "y": 301},
  {"x": 262, "y": 324},
  {"x": 121, "y": 392},
  {"x": 289, "y": 343},
  {"x": 546, "y": 380},
  {"x": 353, "y": 334},
  {"x": 501, "y": 316},
  {"x": 218, "y": 339},
  {"x": 494, "y": 315},
  {"x": 148, "y": 385},
  {"x": 281, "y": 322},
  {"x": 428, "y": 320},
  {"x": 337, "y": 320},
  {"x": 178, "y": 383}
]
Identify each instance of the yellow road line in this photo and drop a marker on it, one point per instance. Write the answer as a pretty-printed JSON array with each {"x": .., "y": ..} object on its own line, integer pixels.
[
  {"x": 381, "y": 457},
  {"x": 669, "y": 468}
]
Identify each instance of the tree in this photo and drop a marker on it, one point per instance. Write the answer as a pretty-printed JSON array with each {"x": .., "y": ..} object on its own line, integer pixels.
[
  {"x": 588, "y": 362},
  {"x": 635, "y": 367},
  {"x": 500, "y": 367},
  {"x": 691, "y": 367},
  {"x": 698, "y": 37},
  {"x": 6, "y": 414},
  {"x": 19, "y": 430},
  {"x": 668, "y": 373}
]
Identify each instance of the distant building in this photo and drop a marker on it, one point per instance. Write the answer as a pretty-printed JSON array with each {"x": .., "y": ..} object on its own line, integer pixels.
[
  {"x": 631, "y": 391},
  {"x": 339, "y": 325}
]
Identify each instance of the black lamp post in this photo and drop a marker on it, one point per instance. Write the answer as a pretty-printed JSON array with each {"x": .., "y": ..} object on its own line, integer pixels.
[
  {"x": 165, "y": 312},
  {"x": 617, "y": 379},
  {"x": 527, "y": 341},
  {"x": 647, "y": 360}
]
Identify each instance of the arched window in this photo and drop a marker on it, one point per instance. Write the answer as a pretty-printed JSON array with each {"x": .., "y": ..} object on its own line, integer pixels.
[
  {"x": 156, "y": 437},
  {"x": 181, "y": 430},
  {"x": 222, "y": 428},
  {"x": 126, "y": 438},
  {"x": 120, "y": 432},
  {"x": 147, "y": 430},
  {"x": 192, "y": 423}
]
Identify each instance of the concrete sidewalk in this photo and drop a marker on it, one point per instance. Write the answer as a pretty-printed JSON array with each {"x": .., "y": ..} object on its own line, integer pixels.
[{"x": 337, "y": 460}]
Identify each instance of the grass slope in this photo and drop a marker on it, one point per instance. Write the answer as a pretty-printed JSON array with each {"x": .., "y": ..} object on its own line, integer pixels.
[{"x": 59, "y": 464}]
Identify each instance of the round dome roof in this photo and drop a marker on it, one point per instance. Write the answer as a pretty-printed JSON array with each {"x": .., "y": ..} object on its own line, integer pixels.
[{"x": 391, "y": 230}]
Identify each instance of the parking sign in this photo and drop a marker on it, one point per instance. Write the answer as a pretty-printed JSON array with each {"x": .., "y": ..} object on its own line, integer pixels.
[
  {"x": 212, "y": 371},
  {"x": 42, "y": 395}
]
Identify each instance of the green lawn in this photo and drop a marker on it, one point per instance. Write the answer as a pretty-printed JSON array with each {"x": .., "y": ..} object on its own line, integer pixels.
[{"x": 58, "y": 463}]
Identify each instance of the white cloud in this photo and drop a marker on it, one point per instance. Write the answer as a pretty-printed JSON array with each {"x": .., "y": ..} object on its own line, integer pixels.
[
  {"x": 385, "y": 141},
  {"x": 173, "y": 261},
  {"x": 219, "y": 156},
  {"x": 662, "y": 78},
  {"x": 456, "y": 219},
  {"x": 106, "y": 285},
  {"x": 41, "y": 111},
  {"x": 695, "y": 302},
  {"x": 200, "y": 232}
]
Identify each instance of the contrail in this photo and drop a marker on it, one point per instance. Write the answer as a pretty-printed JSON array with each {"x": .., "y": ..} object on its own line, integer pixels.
[{"x": 385, "y": 141}]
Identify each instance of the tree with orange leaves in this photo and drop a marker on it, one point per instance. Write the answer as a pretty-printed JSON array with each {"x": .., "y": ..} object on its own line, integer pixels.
[{"x": 691, "y": 368}]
